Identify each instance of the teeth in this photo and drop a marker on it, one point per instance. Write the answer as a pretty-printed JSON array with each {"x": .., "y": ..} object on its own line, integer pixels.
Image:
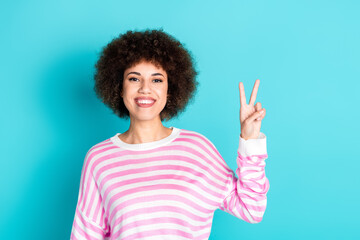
[{"x": 145, "y": 101}]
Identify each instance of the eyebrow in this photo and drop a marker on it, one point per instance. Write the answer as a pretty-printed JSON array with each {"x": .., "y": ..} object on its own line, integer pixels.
[{"x": 137, "y": 73}]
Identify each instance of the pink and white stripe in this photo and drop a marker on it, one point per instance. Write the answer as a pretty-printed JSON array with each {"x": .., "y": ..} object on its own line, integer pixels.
[{"x": 169, "y": 190}]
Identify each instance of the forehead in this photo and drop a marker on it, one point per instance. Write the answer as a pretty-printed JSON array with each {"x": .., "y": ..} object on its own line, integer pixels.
[{"x": 146, "y": 66}]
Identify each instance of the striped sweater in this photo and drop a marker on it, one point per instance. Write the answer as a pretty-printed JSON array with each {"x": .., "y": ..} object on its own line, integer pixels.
[{"x": 167, "y": 189}]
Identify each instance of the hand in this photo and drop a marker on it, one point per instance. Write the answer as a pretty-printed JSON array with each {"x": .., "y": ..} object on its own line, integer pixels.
[{"x": 250, "y": 114}]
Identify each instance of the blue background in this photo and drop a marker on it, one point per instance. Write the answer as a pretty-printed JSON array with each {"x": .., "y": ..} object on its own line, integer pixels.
[{"x": 305, "y": 53}]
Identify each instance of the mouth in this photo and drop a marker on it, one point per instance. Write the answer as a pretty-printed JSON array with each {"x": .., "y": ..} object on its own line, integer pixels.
[{"x": 144, "y": 102}]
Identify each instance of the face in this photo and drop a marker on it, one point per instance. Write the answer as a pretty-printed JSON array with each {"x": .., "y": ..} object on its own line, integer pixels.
[{"x": 144, "y": 91}]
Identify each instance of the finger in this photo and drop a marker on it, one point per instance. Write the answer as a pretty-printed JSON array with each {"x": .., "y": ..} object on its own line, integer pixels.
[
  {"x": 257, "y": 106},
  {"x": 255, "y": 115},
  {"x": 262, "y": 116},
  {"x": 242, "y": 94},
  {"x": 254, "y": 92}
]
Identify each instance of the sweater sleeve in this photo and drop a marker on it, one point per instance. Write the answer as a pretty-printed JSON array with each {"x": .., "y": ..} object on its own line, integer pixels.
[
  {"x": 246, "y": 195},
  {"x": 89, "y": 221}
]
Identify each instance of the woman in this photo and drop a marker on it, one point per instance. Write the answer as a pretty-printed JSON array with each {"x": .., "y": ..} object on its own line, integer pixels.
[{"x": 154, "y": 182}]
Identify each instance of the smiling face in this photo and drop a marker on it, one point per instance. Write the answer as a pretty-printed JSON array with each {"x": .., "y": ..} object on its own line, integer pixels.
[{"x": 144, "y": 91}]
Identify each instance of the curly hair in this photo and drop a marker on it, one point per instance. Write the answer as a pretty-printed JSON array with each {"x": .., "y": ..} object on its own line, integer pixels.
[{"x": 157, "y": 47}]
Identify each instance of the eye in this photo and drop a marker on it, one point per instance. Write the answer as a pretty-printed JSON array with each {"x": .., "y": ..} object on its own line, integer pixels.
[
  {"x": 158, "y": 80},
  {"x": 133, "y": 79}
]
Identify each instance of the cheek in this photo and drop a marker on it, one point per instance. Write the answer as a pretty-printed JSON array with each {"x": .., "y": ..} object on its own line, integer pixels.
[
  {"x": 126, "y": 96},
  {"x": 164, "y": 94},
  {"x": 127, "y": 91},
  {"x": 160, "y": 90},
  {"x": 165, "y": 90}
]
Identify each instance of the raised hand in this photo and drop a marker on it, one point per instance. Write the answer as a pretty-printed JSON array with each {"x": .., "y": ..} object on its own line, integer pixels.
[{"x": 250, "y": 115}]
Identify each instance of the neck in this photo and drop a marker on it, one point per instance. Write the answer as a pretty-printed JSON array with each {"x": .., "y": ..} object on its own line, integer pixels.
[{"x": 145, "y": 131}]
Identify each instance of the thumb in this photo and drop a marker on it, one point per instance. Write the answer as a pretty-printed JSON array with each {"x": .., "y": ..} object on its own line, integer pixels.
[{"x": 255, "y": 115}]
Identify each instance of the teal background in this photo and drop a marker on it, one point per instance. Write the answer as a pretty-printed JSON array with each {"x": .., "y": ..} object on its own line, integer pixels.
[{"x": 305, "y": 53}]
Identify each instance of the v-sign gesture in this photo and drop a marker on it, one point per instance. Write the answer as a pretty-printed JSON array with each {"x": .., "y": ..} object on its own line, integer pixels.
[{"x": 250, "y": 114}]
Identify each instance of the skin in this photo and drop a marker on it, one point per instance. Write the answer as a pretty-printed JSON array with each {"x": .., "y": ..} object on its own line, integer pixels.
[
  {"x": 250, "y": 115},
  {"x": 148, "y": 80}
]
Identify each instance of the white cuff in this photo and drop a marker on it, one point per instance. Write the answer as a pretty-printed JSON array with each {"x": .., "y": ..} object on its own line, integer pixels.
[{"x": 253, "y": 146}]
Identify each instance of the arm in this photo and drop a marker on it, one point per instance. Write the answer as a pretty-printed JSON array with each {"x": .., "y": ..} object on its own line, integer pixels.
[
  {"x": 89, "y": 220},
  {"x": 246, "y": 195}
]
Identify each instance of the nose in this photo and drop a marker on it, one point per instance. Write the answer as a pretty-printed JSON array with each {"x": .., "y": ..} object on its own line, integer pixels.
[{"x": 145, "y": 87}]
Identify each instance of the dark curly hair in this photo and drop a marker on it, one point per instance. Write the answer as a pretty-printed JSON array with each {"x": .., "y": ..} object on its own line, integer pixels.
[{"x": 157, "y": 47}]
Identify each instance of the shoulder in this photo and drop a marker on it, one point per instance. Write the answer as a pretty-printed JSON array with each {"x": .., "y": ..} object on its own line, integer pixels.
[
  {"x": 196, "y": 137},
  {"x": 202, "y": 144},
  {"x": 99, "y": 148}
]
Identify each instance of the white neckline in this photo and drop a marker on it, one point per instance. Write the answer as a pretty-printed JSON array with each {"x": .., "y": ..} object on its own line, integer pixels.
[{"x": 148, "y": 145}]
